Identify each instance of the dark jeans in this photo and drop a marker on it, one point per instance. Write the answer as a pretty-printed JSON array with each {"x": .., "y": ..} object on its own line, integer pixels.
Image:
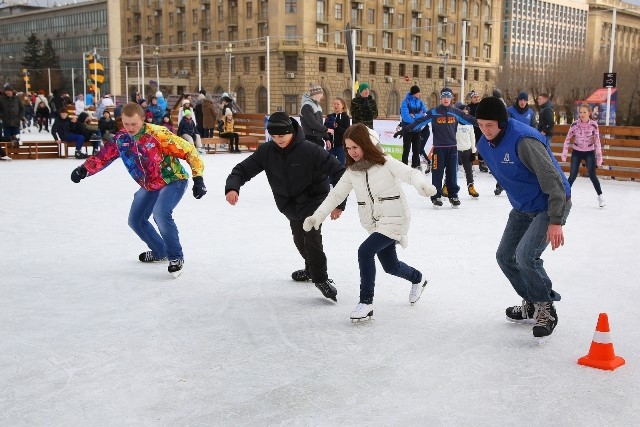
[
  {"x": 10, "y": 131},
  {"x": 233, "y": 138},
  {"x": 77, "y": 139},
  {"x": 445, "y": 159},
  {"x": 518, "y": 255},
  {"x": 385, "y": 248},
  {"x": 338, "y": 152},
  {"x": 589, "y": 158},
  {"x": 309, "y": 244},
  {"x": 465, "y": 158},
  {"x": 411, "y": 141}
]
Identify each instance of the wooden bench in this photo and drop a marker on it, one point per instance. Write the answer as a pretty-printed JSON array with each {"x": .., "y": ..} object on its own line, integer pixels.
[
  {"x": 32, "y": 150},
  {"x": 250, "y": 128},
  {"x": 620, "y": 151}
]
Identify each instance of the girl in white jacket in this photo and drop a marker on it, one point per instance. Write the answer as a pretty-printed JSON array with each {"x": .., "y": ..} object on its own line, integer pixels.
[{"x": 375, "y": 178}]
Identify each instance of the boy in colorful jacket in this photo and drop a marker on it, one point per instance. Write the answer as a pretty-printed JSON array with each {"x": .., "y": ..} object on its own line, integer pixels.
[{"x": 151, "y": 155}]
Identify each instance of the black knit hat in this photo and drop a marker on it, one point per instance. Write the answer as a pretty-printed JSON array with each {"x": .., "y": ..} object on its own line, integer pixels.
[
  {"x": 279, "y": 124},
  {"x": 492, "y": 108},
  {"x": 414, "y": 89}
]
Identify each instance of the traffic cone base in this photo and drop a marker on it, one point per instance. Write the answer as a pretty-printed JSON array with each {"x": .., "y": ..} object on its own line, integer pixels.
[{"x": 601, "y": 354}]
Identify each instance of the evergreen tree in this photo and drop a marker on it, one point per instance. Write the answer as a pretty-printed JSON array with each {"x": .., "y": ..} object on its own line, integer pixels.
[
  {"x": 49, "y": 57},
  {"x": 32, "y": 53}
]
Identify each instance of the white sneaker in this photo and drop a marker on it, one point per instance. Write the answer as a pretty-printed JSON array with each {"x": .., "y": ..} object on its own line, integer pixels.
[
  {"x": 601, "y": 202},
  {"x": 416, "y": 291},
  {"x": 5, "y": 158},
  {"x": 361, "y": 312}
]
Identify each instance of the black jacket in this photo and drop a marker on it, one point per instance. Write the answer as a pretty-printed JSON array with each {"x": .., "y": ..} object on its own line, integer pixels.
[
  {"x": 545, "y": 122},
  {"x": 298, "y": 174},
  {"x": 364, "y": 110},
  {"x": 339, "y": 124},
  {"x": 61, "y": 128}
]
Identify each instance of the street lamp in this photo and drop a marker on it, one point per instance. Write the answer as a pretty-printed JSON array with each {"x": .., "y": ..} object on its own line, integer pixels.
[
  {"x": 228, "y": 52},
  {"x": 444, "y": 55},
  {"x": 156, "y": 55}
]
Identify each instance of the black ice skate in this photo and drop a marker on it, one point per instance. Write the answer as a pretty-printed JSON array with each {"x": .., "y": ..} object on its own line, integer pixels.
[
  {"x": 455, "y": 202},
  {"x": 498, "y": 191},
  {"x": 546, "y": 321},
  {"x": 301, "y": 275},
  {"x": 327, "y": 289},
  {"x": 437, "y": 203},
  {"x": 148, "y": 257},
  {"x": 524, "y": 313},
  {"x": 80, "y": 155},
  {"x": 175, "y": 267}
]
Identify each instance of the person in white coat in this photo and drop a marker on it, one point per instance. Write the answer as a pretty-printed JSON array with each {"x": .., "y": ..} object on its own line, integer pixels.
[{"x": 376, "y": 180}]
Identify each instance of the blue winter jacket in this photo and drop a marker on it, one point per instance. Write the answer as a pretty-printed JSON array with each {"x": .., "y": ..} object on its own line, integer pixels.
[
  {"x": 415, "y": 106},
  {"x": 526, "y": 115}
]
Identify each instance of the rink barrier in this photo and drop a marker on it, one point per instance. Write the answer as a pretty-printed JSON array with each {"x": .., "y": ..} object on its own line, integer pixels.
[{"x": 620, "y": 152}]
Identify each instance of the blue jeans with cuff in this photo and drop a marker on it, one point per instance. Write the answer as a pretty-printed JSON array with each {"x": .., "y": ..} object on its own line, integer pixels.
[{"x": 160, "y": 203}]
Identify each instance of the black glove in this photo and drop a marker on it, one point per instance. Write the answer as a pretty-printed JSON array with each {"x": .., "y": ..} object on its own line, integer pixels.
[
  {"x": 399, "y": 134},
  {"x": 78, "y": 173},
  {"x": 199, "y": 189},
  {"x": 473, "y": 157}
]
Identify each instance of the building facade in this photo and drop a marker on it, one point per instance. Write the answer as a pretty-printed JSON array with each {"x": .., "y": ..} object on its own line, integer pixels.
[
  {"x": 221, "y": 46},
  {"x": 627, "y": 35}
]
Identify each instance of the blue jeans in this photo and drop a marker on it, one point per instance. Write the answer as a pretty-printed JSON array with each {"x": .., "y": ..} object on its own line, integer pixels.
[
  {"x": 161, "y": 204},
  {"x": 385, "y": 247},
  {"x": 338, "y": 153},
  {"x": 76, "y": 139},
  {"x": 10, "y": 131},
  {"x": 523, "y": 241}
]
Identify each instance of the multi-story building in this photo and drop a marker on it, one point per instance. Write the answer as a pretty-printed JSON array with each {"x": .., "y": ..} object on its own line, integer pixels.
[
  {"x": 627, "y": 35},
  {"x": 74, "y": 29},
  {"x": 222, "y": 45}
]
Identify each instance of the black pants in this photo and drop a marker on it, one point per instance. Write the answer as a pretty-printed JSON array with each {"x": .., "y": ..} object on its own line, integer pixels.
[
  {"x": 316, "y": 140},
  {"x": 465, "y": 159},
  {"x": 589, "y": 158},
  {"x": 445, "y": 159},
  {"x": 309, "y": 244},
  {"x": 411, "y": 141},
  {"x": 233, "y": 138}
]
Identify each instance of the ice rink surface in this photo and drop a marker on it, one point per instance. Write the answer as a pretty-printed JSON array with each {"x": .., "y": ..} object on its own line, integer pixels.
[{"x": 91, "y": 336}]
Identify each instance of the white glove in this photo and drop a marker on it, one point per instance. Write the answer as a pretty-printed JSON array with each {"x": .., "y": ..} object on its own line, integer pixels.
[
  {"x": 311, "y": 222},
  {"x": 426, "y": 190}
]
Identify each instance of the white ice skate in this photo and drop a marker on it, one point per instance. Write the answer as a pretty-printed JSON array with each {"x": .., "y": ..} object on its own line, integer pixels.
[
  {"x": 416, "y": 291},
  {"x": 362, "y": 312},
  {"x": 601, "y": 201}
]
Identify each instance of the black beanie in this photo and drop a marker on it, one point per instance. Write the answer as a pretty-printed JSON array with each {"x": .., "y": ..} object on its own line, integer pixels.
[
  {"x": 279, "y": 124},
  {"x": 414, "y": 89},
  {"x": 492, "y": 108}
]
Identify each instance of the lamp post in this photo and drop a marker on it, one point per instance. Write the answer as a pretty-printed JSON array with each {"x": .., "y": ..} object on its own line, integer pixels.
[
  {"x": 156, "y": 55},
  {"x": 445, "y": 56},
  {"x": 228, "y": 52}
]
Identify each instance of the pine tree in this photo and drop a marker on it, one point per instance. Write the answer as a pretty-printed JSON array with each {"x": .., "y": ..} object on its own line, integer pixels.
[
  {"x": 49, "y": 57},
  {"x": 32, "y": 60}
]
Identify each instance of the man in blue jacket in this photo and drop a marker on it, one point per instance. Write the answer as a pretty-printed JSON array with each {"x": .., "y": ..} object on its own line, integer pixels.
[
  {"x": 521, "y": 160},
  {"x": 412, "y": 109},
  {"x": 521, "y": 111}
]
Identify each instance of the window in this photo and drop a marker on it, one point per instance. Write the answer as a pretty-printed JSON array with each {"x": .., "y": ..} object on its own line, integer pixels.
[
  {"x": 487, "y": 75},
  {"x": 387, "y": 68},
  {"x": 429, "y": 73},
  {"x": 262, "y": 63},
  {"x": 194, "y": 16},
  {"x": 401, "y": 43},
  {"x": 290, "y": 6},
  {"x": 371, "y": 40},
  {"x": 357, "y": 66},
  {"x": 218, "y": 65},
  {"x": 372, "y": 67},
  {"x": 427, "y": 46},
  {"x": 337, "y": 37},
  {"x": 322, "y": 64},
  {"x": 249, "y": 33},
  {"x": 262, "y": 100},
  {"x": 338, "y": 11},
  {"x": 427, "y": 23},
  {"x": 290, "y": 32},
  {"x": 371, "y": 16},
  {"x": 246, "y": 64},
  {"x": 220, "y": 13},
  {"x": 416, "y": 71},
  {"x": 441, "y": 72},
  {"x": 291, "y": 104},
  {"x": 402, "y": 70},
  {"x": 321, "y": 35},
  {"x": 340, "y": 65},
  {"x": 249, "y": 10},
  {"x": 192, "y": 65},
  {"x": 205, "y": 65},
  {"x": 454, "y": 73},
  {"x": 291, "y": 62}
]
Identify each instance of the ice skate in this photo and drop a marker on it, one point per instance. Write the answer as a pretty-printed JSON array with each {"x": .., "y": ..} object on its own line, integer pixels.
[
  {"x": 472, "y": 191},
  {"x": 524, "y": 313},
  {"x": 80, "y": 155},
  {"x": 445, "y": 191},
  {"x": 175, "y": 267},
  {"x": 482, "y": 166},
  {"x": 498, "y": 191},
  {"x": 437, "y": 203},
  {"x": 362, "y": 312},
  {"x": 327, "y": 289},
  {"x": 416, "y": 291},
  {"x": 427, "y": 168},
  {"x": 546, "y": 321},
  {"x": 455, "y": 202},
  {"x": 301, "y": 275},
  {"x": 148, "y": 257},
  {"x": 601, "y": 202},
  {"x": 6, "y": 158}
]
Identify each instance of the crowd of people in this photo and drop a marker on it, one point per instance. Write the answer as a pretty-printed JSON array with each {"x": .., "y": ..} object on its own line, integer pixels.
[{"x": 328, "y": 156}]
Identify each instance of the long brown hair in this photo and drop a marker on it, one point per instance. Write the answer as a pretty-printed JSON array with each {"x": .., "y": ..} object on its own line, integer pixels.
[{"x": 359, "y": 133}]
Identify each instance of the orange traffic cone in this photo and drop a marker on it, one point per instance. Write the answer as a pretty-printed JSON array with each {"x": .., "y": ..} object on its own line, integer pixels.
[{"x": 601, "y": 354}]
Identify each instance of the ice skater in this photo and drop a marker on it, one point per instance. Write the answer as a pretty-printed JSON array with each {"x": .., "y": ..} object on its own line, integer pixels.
[
  {"x": 151, "y": 154},
  {"x": 376, "y": 180},
  {"x": 298, "y": 172},
  {"x": 521, "y": 161}
]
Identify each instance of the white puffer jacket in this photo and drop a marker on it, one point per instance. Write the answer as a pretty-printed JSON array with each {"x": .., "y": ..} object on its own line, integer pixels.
[{"x": 381, "y": 202}]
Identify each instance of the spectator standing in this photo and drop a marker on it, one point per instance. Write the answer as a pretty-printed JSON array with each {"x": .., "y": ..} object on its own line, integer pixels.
[
  {"x": 541, "y": 199},
  {"x": 411, "y": 109},
  {"x": 57, "y": 104},
  {"x": 11, "y": 112},
  {"x": 197, "y": 114},
  {"x": 162, "y": 102},
  {"x": 209, "y": 117},
  {"x": 80, "y": 105},
  {"x": 364, "y": 108},
  {"x": 152, "y": 156},
  {"x": 311, "y": 117},
  {"x": 466, "y": 142},
  {"x": 521, "y": 111},
  {"x": 546, "y": 122},
  {"x": 376, "y": 180},
  {"x": 297, "y": 171},
  {"x": 42, "y": 116},
  {"x": 586, "y": 147},
  {"x": 156, "y": 111},
  {"x": 338, "y": 121}
]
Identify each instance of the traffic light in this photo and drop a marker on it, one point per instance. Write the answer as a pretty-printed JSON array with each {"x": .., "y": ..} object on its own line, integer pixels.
[
  {"x": 25, "y": 77},
  {"x": 96, "y": 69}
]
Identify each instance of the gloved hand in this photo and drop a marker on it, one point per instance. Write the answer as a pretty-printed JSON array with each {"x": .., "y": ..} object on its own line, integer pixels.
[
  {"x": 399, "y": 134},
  {"x": 78, "y": 174},
  {"x": 199, "y": 189},
  {"x": 426, "y": 190},
  {"x": 313, "y": 221}
]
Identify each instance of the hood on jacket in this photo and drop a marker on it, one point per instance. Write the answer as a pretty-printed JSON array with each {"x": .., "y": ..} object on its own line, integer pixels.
[
  {"x": 520, "y": 110},
  {"x": 307, "y": 100},
  {"x": 82, "y": 117}
]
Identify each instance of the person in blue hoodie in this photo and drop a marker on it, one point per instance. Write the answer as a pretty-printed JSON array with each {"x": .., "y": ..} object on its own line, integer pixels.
[
  {"x": 156, "y": 110},
  {"x": 412, "y": 109},
  {"x": 521, "y": 111},
  {"x": 521, "y": 160},
  {"x": 162, "y": 102},
  {"x": 444, "y": 121}
]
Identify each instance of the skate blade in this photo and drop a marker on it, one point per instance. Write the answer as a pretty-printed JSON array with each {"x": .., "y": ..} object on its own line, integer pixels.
[
  {"x": 363, "y": 320},
  {"x": 541, "y": 340},
  {"x": 176, "y": 274},
  {"x": 521, "y": 322}
]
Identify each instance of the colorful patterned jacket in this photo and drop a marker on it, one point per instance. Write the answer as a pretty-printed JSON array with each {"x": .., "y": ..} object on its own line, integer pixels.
[{"x": 151, "y": 156}]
